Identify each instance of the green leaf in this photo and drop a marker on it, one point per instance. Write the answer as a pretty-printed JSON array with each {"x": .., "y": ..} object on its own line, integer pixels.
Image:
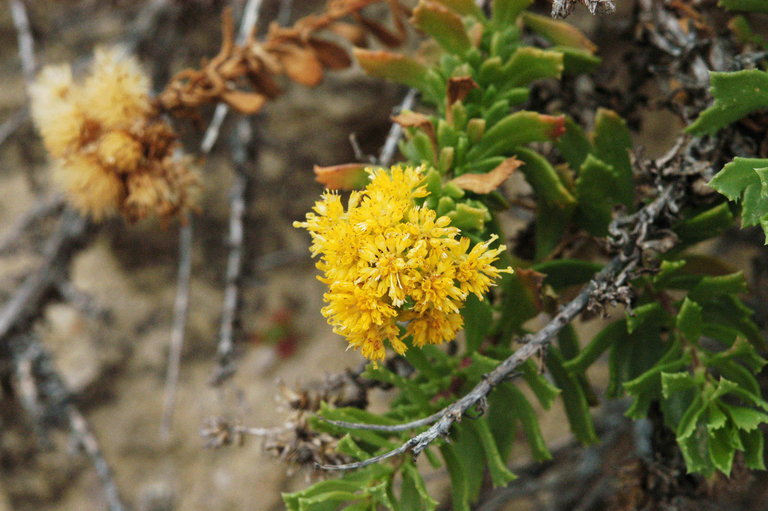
[
  {"x": 505, "y": 12},
  {"x": 544, "y": 180},
  {"x": 744, "y": 33},
  {"x": 708, "y": 224},
  {"x": 527, "y": 415},
  {"x": 753, "y": 448},
  {"x": 687, "y": 425},
  {"x": 528, "y": 64},
  {"x": 478, "y": 317},
  {"x": 558, "y": 32},
  {"x": 649, "y": 313},
  {"x": 500, "y": 474},
  {"x": 459, "y": 477},
  {"x": 745, "y": 418},
  {"x": 736, "y": 176},
  {"x": 577, "y": 60},
  {"x": 414, "y": 492},
  {"x": 612, "y": 144},
  {"x": 716, "y": 418},
  {"x": 696, "y": 455},
  {"x": 745, "y": 5},
  {"x": 596, "y": 189},
  {"x": 443, "y": 24},
  {"x": 349, "y": 447},
  {"x": 573, "y": 397},
  {"x": 515, "y": 130},
  {"x": 614, "y": 332},
  {"x": 552, "y": 222},
  {"x": 545, "y": 392},
  {"x": 736, "y": 95},
  {"x": 709, "y": 286},
  {"x": 562, "y": 273},
  {"x": 463, "y": 7},
  {"x": 688, "y": 320},
  {"x": 721, "y": 451},
  {"x": 676, "y": 382},
  {"x": 517, "y": 305},
  {"x": 573, "y": 144},
  {"x": 393, "y": 66}
]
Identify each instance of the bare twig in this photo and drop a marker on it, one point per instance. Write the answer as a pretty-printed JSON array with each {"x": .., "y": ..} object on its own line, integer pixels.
[
  {"x": 396, "y": 131},
  {"x": 180, "y": 311},
  {"x": 604, "y": 286},
  {"x": 15, "y": 121},
  {"x": 242, "y": 152},
  {"x": 23, "y": 224},
  {"x": 29, "y": 297},
  {"x": 47, "y": 399},
  {"x": 24, "y": 38},
  {"x": 250, "y": 16},
  {"x": 89, "y": 444}
]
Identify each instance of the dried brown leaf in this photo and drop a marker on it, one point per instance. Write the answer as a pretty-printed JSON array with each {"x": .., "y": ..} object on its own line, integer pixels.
[
  {"x": 331, "y": 55},
  {"x": 244, "y": 102},
  {"x": 459, "y": 87},
  {"x": 347, "y": 176},
  {"x": 488, "y": 182},
  {"x": 300, "y": 64}
]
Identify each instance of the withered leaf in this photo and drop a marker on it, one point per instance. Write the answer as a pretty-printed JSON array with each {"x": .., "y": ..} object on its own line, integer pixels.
[
  {"x": 331, "y": 55},
  {"x": 380, "y": 32},
  {"x": 459, "y": 87},
  {"x": 347, "y": 176},
  {"x": 408, "y": 119},
  {"x": 486, "y": 183},
  {"x": 300, "y": 64},
  {"x": 244, "y": 102},
  {"x": 532, "y": 281},
  {"x": 352, "y": 33}
]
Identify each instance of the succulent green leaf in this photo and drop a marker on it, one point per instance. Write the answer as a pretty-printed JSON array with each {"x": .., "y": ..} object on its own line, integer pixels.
[
  {"x": 753, "y": 448},
  {"x": 558, "y": 32},
  {"x": 688, "y": 320},
  {"x": 574, "y": 398},
  {"x": 745, "y": 5},
  {"x": 598, "y": 190},
  {"x": 463, "y": 7},
  {"x": 562, "y": 273},
  {"x": 443, "y": 24},
  {"x": 395, "y": 67},
  {"x": 505, "y": 12},
  {"x": 515, "y": 130},
  {"x": 478, "y": 316},
  {"x": 414, "y": 493},
  {"x": 573, "y": 144},
  {"x": 705, "y": 225},
  {"x": 612, "y": 143},
  {"x": 649, "y": 313},
  {"x": 736, "y": 94},
  {"x": 500, "y": 474},
  {"x": 545, "y": 392},
  {"x": 721, "y": 451},
  {"x": 545, "y": 181},
  {"x": 687, "y": 425},
  {"x": 577, "y": 60},
  {"x": 676, "y": 382},
  {"x": 745, "y": 418},
  {"x": 527, "y": 415},
  {"x": 614, "y": 332},
  {"x": 528, "y": 64}
]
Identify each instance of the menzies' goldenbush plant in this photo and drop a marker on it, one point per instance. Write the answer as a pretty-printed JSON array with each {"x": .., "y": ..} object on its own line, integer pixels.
[{"x": 687, "y": 347}]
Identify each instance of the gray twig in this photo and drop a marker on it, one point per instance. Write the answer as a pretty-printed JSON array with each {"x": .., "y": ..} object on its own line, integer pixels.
[
  {"x": 612, "y": 277},
  {"x": 243, "y": 145},
  {"x": 250, "y": 18},
  {"x": 24, "y": 38},
  {"x": 15, "y": 121},
  {"x": 23, "y": 224},
  {"x": 180, "y": 311},
  {"x": 396, "y": 131}
]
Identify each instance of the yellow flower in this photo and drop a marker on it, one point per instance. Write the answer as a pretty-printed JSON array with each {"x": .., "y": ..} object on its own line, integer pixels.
[{"x": 387, "y": 260}]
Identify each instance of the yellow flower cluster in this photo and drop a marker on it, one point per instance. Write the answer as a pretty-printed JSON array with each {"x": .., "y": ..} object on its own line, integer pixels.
[
  {"x": 112, "y": 151},
  {"x": 387, "y": 260}
]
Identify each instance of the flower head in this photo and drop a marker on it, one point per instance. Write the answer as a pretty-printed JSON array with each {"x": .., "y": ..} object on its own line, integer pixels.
[
  {"x": 388, "y": 260},
  {"x": 112, "y": 151}
]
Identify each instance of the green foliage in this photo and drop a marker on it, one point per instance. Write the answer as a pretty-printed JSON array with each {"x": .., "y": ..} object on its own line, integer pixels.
[
  {"x": 736, "y": 95},
  {"x": 688, "y": 346}
]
